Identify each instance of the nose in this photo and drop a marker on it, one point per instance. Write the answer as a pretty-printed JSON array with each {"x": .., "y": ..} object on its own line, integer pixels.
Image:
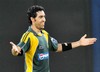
[{"x": 44, "y": 19}]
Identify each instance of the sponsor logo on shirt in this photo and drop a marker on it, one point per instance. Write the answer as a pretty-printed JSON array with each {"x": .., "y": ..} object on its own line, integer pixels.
[
  {"x": 43, "y": 56},
  {"x": 41, "y": 47}
]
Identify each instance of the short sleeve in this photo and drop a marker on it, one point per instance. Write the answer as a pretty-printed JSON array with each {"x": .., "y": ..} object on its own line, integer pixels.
[
  {"x": 24, "y": 42},
  {"x": 54, "y": 44}
]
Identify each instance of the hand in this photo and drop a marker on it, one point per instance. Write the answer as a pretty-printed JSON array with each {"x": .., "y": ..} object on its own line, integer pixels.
[
  {"x": 15, "y": 49},
  {"x": 86, "y": 41}
]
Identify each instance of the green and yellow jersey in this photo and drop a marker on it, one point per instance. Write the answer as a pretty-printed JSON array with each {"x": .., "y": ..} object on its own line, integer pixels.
[{"x": 36, "y": 49}]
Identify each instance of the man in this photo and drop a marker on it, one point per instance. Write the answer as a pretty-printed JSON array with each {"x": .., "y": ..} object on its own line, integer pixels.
[{"x": 36, "y": 43}]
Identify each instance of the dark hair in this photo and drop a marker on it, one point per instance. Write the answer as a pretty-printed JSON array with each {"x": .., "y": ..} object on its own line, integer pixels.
[{"x": 31, "y": 12}]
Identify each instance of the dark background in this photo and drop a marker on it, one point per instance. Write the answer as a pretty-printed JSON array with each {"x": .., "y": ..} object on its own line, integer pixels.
[{"x": 67, "y": 21}]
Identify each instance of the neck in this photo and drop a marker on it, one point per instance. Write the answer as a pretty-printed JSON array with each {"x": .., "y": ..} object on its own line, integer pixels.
[{"x": 35, "y": 29}]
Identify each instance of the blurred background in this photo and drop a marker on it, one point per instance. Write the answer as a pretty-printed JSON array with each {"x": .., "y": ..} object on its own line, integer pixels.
[{"x": 67, "y": 21}]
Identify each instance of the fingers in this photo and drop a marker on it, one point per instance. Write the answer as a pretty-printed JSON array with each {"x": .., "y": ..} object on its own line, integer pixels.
[
  {"x": 84, "y": 36},
  {"x": 93, "y": 39},
  {"x": 12, "y": 43},
  {"x": 15, "y": 47}
]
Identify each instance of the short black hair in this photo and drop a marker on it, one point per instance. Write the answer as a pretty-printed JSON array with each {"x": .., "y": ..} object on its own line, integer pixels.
[{"x": 31, "y": 12}]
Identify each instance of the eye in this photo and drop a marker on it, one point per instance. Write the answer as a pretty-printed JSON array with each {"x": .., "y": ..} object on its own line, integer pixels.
[{"x": 41, "y": 17}]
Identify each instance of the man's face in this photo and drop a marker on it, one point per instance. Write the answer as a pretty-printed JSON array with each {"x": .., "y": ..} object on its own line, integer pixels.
[{"x": 39, "y": 20}]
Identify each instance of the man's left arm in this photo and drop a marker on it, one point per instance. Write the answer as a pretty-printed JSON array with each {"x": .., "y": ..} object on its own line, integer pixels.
[{"x": 82, "y": 42}]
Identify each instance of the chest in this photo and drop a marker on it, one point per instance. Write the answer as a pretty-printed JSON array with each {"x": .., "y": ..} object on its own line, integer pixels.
[
  {"x": 43, "y": 44},
  {"x": 42, "y": 51}
]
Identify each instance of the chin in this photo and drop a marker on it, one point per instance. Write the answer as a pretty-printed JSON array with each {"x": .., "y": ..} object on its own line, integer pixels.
[{"x": 42, "y": 27}]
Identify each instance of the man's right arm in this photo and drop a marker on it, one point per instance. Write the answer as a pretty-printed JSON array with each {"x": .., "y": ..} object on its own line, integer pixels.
[{"x": 15, "y": 49}]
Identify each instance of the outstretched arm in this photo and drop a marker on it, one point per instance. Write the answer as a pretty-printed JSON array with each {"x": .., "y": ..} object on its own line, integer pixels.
[
  {"x": 15, "y": 49},
  {"x": 82, "y": 42}
]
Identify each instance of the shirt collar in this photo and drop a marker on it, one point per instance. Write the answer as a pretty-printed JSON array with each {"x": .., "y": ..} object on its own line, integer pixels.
[{"x": 31, "y": 30}]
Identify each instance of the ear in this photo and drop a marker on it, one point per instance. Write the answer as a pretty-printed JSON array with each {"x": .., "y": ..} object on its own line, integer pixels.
[{"x": 32, "y": 19}]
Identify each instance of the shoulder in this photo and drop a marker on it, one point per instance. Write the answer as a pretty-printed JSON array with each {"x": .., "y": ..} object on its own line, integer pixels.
[
  {"x": 27, "y": 34},
  {"x": 45, "y": 32}
]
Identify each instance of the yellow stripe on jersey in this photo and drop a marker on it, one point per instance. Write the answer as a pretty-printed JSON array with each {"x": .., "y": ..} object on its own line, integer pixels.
[
  {"x": 24, "y": 37},
  {"x": 30, "y": 53},
  {"x": 46, "y": 35}
]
